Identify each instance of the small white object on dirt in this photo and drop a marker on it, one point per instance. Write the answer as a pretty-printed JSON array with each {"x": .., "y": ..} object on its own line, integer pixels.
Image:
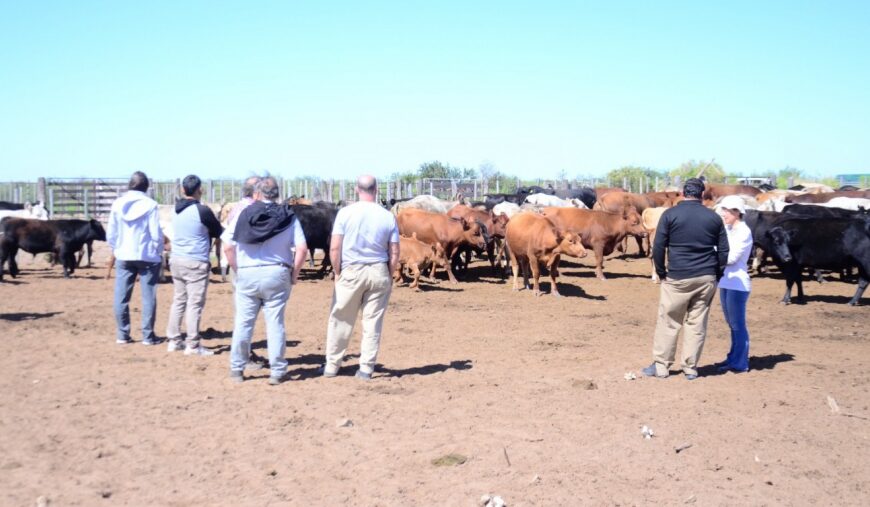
[
  {"x": 630, "y": 376},
  {"x": 42, "y": 502},
  {"x": 757, "y": 459},
  {"x": 647, "y": 432},
  {"x": 536, "y": 479},
  {"x": 492, "y": 501},
  {"x": 835, "y": 409},
  {"x": 344, "y": 423}
]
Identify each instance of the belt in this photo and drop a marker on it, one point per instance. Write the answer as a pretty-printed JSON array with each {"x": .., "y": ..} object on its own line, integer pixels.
[{"x": 267, "y": 265}]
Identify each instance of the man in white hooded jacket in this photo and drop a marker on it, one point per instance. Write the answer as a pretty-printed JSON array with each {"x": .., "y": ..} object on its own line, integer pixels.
[{"x": 136, "y": 240}]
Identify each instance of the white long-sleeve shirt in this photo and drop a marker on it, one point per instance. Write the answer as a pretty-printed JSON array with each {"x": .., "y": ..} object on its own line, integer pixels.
[
  {"x": 736, "y": 275},
  {"x": 134, "y": 229}
]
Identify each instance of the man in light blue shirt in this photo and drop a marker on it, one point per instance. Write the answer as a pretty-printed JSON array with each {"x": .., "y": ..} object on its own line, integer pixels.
[
  {"x": 364, "y": 250},
  {"x": 259, "y": 245},
  {"x": 136, "y": 240}
]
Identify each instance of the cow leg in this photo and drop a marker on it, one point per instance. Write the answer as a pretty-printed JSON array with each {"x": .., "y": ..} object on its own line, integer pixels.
[
  {"x": 68, "y": 259},
  {"x": 11, "y": 252},
  {"x": 554, "y": 275},
  {"x": 515, "y": 268},
  {"x": 862, "y": 285},
  {"x": 164, "y": 267},
  {"x": 535, "y": 266},
  {"x": 311, "y": 258},
  {"x": 640, "y": 250},
  {"x": 81, "y": 255},
  {"x": 599, "y": 261},
  {"x": 415, "y": 273},
  {"x": 448, "y": 268},
  {"x": 818, "y": 276}
]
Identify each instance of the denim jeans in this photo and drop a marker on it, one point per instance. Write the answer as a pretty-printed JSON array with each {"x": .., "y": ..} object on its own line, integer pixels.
[
  {"x": 125, "y": 278},
  {"x": 266, "y": 287},
  {"x": 734, "y": 308}
]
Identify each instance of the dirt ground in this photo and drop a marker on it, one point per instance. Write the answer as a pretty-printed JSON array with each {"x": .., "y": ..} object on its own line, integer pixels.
[{"x": 530, "y": 391}]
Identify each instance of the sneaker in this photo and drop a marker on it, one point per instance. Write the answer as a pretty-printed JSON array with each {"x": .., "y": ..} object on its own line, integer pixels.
[
  {"x": 150, "y": 341},
  {"x": 276, "y": 381},
  {"x": 256, "y": 362},
  {"x": 236, "y": 376},
  {"x": 691, "y": 376},
  {"x": 119, "y": 341},
  {"x": 197, "y": 351},
  {"x": 650, "y": 371},
  {"x": 322, "y": 371},
  {"x": 363, "y": 375},
  {"x": 174, "y": 346}
]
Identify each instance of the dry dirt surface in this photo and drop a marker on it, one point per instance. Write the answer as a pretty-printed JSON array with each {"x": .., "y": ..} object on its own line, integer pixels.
[{"x": 527, "y": 394}]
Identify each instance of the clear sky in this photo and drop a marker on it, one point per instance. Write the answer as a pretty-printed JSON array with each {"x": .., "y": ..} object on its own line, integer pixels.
[{"x": 338, "y": 88}]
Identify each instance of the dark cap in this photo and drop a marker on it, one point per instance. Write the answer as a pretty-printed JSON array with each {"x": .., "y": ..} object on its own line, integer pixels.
[{"x": 694, "y": 188}]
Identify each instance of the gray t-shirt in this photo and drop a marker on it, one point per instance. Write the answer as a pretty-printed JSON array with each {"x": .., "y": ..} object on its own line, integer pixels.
[{"x": 368, "y": 230}]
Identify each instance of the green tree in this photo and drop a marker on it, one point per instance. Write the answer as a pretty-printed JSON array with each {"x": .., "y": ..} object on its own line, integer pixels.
[
  {"x": 713, "y": 172},
  {"x": 783, "y": 175},
  {"x": 633, "y": 175}
]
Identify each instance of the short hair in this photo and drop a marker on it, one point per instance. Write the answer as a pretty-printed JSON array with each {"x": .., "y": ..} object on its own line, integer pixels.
[
  {"x": 138, "y": 181},
  {"x": 249, "y": 186},
  {"x": 367, "y": 184},
  {"x": 191, "y": 184},
  {"x": 694, "y": 188},
  {"x": 268, "y": 188}
]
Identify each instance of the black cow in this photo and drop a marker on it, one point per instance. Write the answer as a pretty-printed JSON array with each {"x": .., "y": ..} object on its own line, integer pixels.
[
  {"x": 490, "y": 200},
  {"x": 6, "y": 205},
  {"x": 821, "y": 243},
  {"x": 63, "y": 238},
  {"x": 585, "y": 194},
  {"x": 316, "y": 221}
]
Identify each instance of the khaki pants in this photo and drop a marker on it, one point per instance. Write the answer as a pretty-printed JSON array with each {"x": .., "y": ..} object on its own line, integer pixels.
[
  {"x": 688, "y": 301},
  {"x": 360, "y": 287},
  {"x": 189, "y": 281}
]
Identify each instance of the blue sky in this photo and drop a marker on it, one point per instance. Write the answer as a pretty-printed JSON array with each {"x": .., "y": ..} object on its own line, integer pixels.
[{"x": 338, "y": 88}]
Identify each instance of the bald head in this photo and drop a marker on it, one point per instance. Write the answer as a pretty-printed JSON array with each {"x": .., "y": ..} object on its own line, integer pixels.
[{"x": 367, "y": 185}]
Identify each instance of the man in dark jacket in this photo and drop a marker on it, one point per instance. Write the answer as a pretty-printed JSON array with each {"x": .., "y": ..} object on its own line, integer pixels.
[{"x": 697, "y": 250}]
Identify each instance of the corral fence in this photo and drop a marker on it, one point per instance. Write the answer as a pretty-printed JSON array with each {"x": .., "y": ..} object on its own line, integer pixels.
[{"x": 93, "y": 197}]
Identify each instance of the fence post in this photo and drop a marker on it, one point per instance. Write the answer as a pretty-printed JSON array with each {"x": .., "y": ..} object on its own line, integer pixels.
[
  {"x": 497, "y": 187},
  {"x": 85, "y": 199},
  {"x": 475, "y": 190},
  {"x": 431, "y": 188},
  {"x": 51, "y": 201}
]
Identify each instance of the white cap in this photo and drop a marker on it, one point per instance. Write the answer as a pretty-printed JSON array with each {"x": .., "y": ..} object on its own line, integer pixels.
[{"x": 733, "y": 202}]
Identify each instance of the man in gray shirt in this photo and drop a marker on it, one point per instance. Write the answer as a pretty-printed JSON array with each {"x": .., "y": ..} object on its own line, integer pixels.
[
  {"x": 195, "y": 225},
  {"x": 364, "y": 251}
]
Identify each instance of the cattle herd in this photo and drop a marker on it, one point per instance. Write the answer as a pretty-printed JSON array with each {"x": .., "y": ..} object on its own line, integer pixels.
[{"x": 800, "y": 230}]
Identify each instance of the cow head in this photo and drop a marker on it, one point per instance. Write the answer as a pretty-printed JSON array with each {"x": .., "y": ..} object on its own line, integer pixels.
[
  {"x": 633, "y": 221},
  {"x": 473, "y": 233},
  {"x": 779, "y": 239},
  {"x": 499, "y": 224},
  {"x": 570, "y": 244},
  {"x": 97, "y": 231}
]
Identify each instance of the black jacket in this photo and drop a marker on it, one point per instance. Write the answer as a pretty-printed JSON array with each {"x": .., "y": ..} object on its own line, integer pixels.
[
  {"x": 695, "y": 240},
  {"x": 261, "y": 221}
]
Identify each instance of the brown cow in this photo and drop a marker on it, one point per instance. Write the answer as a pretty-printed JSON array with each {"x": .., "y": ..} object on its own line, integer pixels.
[
  {"x": 495, "y": 227},
  {"x": 532, "y": 240},
  {"x": 713, "y": 191},
  {"x": 417, "y": 256},
  {"x": 826, "y": 196},
  {"x": 600, "y": 231},
  {"x": 450, "y": 233},
  {"x": 650, "y": 219},
  {"x": 616, "y": 202},
  {"x": 602, "y": 191},
  {"x": 668, "y": 198}
]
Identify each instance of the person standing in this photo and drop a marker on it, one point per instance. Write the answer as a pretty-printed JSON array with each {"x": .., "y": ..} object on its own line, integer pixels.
[
  {"x": 696, "y": 244},
  {"x": 364, "y": 250},
  {"x": 136, "y": 240},
  {"x": 194, "y": 226},
  {"x": 735, "y": 286},
  {"x": 259, "y": 247}
]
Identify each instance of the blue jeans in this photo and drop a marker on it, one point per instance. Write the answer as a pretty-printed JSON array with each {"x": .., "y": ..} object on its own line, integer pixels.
[
  {"x": 125, "y": 278},
  {"x": 266, "y": 287},
  {"x": 734, "y": 308}
]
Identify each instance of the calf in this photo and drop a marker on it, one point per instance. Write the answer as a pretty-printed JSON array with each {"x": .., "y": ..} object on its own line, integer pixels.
[
  {"x": 451, "y": 233},
  {"x": 713, "y": 191},
  {"x": 615, "y": 202},
  {"x": 316, "y": 222},
  {"x": 650, "y": 219},
  {"x": 533, "y": 240},
  {"x": 417, "y": 256},
  {"x": 63, "y": 238},
  {"x": 599, "y": 230},
  {"x": 821, "y": 243},
  {"x": 492, "y": 227}
]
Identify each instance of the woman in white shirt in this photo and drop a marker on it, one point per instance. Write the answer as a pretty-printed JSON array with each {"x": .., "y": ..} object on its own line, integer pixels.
[{"x": 734, "y": 286}]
